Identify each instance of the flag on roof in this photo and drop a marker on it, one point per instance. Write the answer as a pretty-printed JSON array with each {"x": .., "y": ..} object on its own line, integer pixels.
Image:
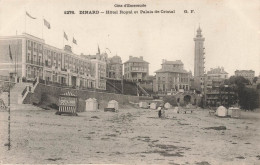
[
  {"x": 74, "y": 41},
  {"x": 65, "y": 36},
  {"x": 47, "y": 24},
  {"x": 98, "y": 50},
  {"x": 30, "y": 15},
  {"x": 10, "y": 53}
]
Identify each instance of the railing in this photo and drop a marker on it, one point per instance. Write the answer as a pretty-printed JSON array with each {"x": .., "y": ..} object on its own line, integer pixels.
[
  {"x": 35, "y": 81},
  {"x": 142, "y": 89},
  {"x": 24, "y": 91},
  {"x": 114, "y": 86}
]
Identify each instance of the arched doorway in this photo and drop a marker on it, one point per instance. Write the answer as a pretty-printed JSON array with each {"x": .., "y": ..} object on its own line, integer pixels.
[{"x": 187, "y": 99}]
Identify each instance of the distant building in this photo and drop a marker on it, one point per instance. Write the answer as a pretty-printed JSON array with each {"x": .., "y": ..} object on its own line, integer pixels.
[
  {"x": 199, "y": 61},
  {"x": 217, "y": 74},
  {"x": 115, "y": 68},
  {"x": 247, "y": 74},
  {"x": 136, "y": 69},
  {"x": 216, "y": 92},
  {"x": 172, "y": 77}
]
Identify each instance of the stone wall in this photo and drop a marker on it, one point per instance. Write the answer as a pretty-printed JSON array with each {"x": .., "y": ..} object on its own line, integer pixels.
[
  {"x": 179, "y": 98},
  {"x": 46, "y": 94}
]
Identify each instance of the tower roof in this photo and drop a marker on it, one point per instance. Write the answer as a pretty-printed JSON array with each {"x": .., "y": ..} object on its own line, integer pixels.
[
  {"x": 199, "y": 32},
  {"x": 199, "y": 29}
]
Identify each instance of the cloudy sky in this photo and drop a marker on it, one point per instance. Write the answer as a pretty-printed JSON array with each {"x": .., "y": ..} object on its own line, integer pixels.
[{"x": 231, "y": 29}]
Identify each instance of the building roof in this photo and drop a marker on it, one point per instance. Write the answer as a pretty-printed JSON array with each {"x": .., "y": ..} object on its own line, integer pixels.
[
  {"x": 115, "y": 60},
  {"x": 244, "y": 71},
  {"x": 171, "y": 70},
  {"x": 136, "y": 59},
  {"x": 174, "y": 62},
  {"x": 217, "y": 71}
]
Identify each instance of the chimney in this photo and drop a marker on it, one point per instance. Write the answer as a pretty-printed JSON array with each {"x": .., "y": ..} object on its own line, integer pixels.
[
  {"x": 67, "y": 48},
  {"x": 141, "y": 57},
  {"x": 130, "y": 57},
  {"x": 163, "y": 61}
]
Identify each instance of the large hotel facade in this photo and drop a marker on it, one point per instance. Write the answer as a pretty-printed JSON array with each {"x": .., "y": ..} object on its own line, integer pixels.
[{"x": 31, "y": 57}]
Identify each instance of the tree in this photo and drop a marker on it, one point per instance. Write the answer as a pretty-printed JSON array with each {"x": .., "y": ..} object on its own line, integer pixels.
[
  {"x": 255, "y": 79},
  {"x": 248, "y": 97},
  {"x": 258, "y": 86},
  {"x": 239, "y": 81}
]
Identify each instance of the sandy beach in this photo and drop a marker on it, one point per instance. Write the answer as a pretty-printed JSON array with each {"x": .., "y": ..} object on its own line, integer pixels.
[{"x": 131, "y": 136}]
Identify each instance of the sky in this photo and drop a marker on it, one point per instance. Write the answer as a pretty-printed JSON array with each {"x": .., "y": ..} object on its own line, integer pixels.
[{"x": 231, "y": 29}]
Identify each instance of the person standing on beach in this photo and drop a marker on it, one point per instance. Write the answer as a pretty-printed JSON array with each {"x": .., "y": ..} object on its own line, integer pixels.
[{"x": 159, "y": 112}]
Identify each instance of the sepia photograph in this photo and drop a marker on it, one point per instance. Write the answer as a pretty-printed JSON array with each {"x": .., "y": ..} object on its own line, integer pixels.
[{"x": 130, "y": 82}]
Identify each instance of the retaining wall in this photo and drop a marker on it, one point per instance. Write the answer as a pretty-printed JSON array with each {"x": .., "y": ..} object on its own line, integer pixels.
[{"x": 46, "y": 94}]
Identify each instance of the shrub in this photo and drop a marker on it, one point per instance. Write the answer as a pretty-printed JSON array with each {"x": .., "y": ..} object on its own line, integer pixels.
[
  {"x": 248, "y": 98},
  {"x": 171, "y": 100},
  {"x": 54, "y": 106}
]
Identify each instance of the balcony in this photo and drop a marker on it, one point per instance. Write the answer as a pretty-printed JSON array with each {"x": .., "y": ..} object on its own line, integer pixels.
[
  {"x": 62, "y": 69},
  {"x": 35, "y": 62}
]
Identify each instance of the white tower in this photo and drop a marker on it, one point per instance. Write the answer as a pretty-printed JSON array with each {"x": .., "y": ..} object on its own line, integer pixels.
[{"x": 199, "y": 60}]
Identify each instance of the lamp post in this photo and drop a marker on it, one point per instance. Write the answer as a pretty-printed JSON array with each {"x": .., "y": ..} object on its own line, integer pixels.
[{"x": 9, "y": 112}]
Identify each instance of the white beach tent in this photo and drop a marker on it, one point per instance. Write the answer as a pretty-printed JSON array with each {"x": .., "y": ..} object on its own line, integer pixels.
[
  {"x": 234, "y": 112},
  {"x": 176, "y": 110},
  {"x": 221, "y": 111},
  {"x": 113, "y": 104},
  {"x": 153, "y": 106},
  {"x": 91, "y": 104},
  {"x": 167, "y": 105},
  {"x": 143, "y": 104}
]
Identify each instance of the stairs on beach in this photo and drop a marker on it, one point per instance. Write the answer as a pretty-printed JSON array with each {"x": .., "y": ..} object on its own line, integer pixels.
[{"x": 15, "y": 93}]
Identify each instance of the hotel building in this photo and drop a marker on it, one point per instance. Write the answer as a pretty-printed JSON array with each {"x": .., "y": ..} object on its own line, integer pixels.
[
  {"x": 33, "y": 58},
  {"x": 98, "y": 64}
]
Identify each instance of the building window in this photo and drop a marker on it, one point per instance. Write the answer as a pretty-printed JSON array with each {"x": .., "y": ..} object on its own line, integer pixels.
[
  {"x": 28, "y": 71},
  {"x": 28, "y": 57}
]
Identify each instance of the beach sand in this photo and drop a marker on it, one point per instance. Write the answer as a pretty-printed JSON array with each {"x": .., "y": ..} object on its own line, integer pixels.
[{"x": 131, "y": 136}]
